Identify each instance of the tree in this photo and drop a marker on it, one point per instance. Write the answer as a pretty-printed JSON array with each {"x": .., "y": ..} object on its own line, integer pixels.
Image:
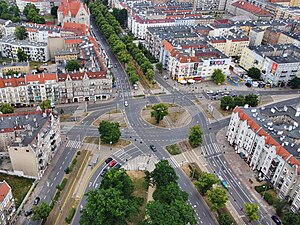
[
  {"x": 295, "y": 83},
  {"x": 21, "y": 33},
  {"x": 6, "y": 108},
  {"x": 150, "y": 74},
  {"x": 45, "y": 104},
  {"x": 159, "y": 67},
  {"x": 11, "y": 12},
  {"x": 119, "y": 180},
  {"x": 227, "y": 103},
  {"x": 10, "y": 72},
  {"x": 133, "y": 78},
  {"x": 279, "y": 205},
  {"x": 195, "y": 136},
  {"x": 160, "y": 110},
  {"x": 105, "y": 206},
  {"x": 169, "y": 193},
  {"x": 72, "y": 65},
  {"x": 40, "y": 212},
  {"x": 54, "y": 11},
  {"x": 251, "y": 100},
  {"x": 206, "y": 181},
  {"x": 163, "y": 174},
  {"x": 225, "y": 219},
  {"x": 251, "y": 210},
  {"x": 218, "y": 197},
  {"x": 32, "y": 14},
  {"x": 109, "y": 132},
  {"x": 120, "y": 15},
  {"x": 291, "y": 218},
  {"x": 218, "y": 77},
  {"x": 22, "y": 56},
  {"x": 254, "y": 73},
  {"x": 239, "y": 100},
  {"x": 177, "y": 213}
]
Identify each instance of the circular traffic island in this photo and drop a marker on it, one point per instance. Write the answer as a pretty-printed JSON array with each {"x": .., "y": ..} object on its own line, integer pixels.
[{"x": 176, "y": 116}]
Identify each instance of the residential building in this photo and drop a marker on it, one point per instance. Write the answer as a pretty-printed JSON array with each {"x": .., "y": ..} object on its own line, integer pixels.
[
  {"x": 36, "y": 137},
  {"x": 35, "y": 51},
  {"x": 13, "y": 90},
  {"x": 87, "y": 86},
  {"x": 256, "y": 35},
  {"x": 7, "y": 203},
  {"x": 43, "y": 5},
  {"x": 16, "y": 67},
  {"x": 209, "y": 5},
  {"x": 279, "y": 63},
  {"x": 73, "y": 11},
  {"x": 268, "y": 139}
]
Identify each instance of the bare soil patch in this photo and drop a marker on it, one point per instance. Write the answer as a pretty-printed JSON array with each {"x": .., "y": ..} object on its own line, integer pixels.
[{"x": 115, "y": 116}]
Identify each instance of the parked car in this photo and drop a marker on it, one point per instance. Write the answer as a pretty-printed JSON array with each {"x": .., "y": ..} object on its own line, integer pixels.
[
  {"x": 126, "y": 103},
  {"x": 118, "y": 165},
  {"x": 108, "y": 160},
  {"x": 104, "y": 171},
  {"x": 276, "y": 220},
  {"x": 36, "y": 201},
  {"x": 28, "y": 213},
  {"x": 112, "y": 163},
  {"x": 153, "y": 148}
]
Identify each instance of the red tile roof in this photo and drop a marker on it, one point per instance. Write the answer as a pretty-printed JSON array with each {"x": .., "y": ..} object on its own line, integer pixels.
[
  {"x": 11, "y": 82},
  {"x": 167, "y": 45},
  {"x": 4, "y": 190},
  {"x": 71, "y": 6},
  {"x": 255, "y": 10},
  {"x": 78, "y": 76},
  {"x": 78, "y": 28},
  {"x": 73, "y": 41},
  {"x": 41, "y": 78}
]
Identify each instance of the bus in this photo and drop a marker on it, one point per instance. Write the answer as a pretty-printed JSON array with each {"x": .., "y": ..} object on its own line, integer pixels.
[{"x": 223, "y": 182}]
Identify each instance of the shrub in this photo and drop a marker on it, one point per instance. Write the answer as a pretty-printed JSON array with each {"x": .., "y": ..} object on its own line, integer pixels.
[
  {"x": 63, "y": 184},
  {"x": 261, "y": 188},
  {"x": 70, "y": 216},
  {"x": 68, "y": 170},
  {"x": 269, "y": 198},
  {"x": 56, "y": 196},
  {"x": 79, "y": 152}
]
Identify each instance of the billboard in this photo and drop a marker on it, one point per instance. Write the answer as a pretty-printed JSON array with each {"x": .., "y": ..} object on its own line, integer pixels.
[
  {"x": 274, "y": 67},
  {"x": 217, "y": 63}
]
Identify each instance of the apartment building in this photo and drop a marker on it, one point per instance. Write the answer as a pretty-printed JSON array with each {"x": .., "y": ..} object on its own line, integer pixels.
[
  {"x": 13, "y": 90},
  {"x": 7, "y": 203},
  {"x": 36, "y": 137},
  {"x": 16, "y": 67},
  {"x": 43, "y": 5},
  {"x": 279, "y": 63},
  {"x": 87, "y": 86},
  {"x": 73, "y": 11},
  {"x": 35, "y": 51},
  {"x": 268, "y": 139}
]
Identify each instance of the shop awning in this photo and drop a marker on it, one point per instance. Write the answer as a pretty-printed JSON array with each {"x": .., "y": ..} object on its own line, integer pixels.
[{"x": 183, "y": 81}]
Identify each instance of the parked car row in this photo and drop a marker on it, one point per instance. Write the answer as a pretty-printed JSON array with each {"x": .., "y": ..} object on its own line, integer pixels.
[
  {"x": 35, "y": 203},
  {"x": 217, "y": 95},
  {"x": 111, "y": 163}
]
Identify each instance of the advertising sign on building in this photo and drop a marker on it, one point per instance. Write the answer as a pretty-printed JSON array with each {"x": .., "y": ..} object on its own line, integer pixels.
[{"x": 217, "y": 62}]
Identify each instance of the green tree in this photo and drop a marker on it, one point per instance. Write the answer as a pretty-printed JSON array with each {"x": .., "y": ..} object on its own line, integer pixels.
[
  {"x": 133, "y": 78},
  {"x": 119, "y": 180},
  {"x": 11, "y": 12},
  {"x": 177, "y": 213},
  {"x": 40, "y": 212},
  {"x": 239, "y": 100},
  {"x": 10, "y": 72},
  {"x": 160, "y": 110},
  {"x": 227, "y": 103},
  {"x": 21, "y": 33},
  {"x": 295, "y": 83},
  {"x": 195, "y": 136},
  {"x": 225, "y": 219},
  {"x": 218, "y": 197},
  {"x": 109, "y": 132},
  {"x": 169, "y": 193},
  {"x": 254, "y": 73},
  {"x": 150, "y": 74},
  {"x": 218, "y": 77},
  {"x": 120, "y": 15},
  {"x": 206, "y": 181},
  {"x": 22, "y": 56},
  {"x": 29, "y": 7},
  {"x": 251, "y": 210},
  {"x": 72, "y": 65},
  {"x": 54, "y": 11},
  {"x": 163, "y": 174},
  {"x": 45, "y": 104},
  {"x": 251, "y": 100},
  {"x": 279, "y": 205},
  {"x": 6, "y": 108},
  {"x": 159, "y": 67},
  {"x": 106, "y": 206},
  {"x": 291, "y": 218}
]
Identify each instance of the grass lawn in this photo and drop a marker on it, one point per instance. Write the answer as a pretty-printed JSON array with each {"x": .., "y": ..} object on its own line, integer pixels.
[
  {"x": 20, "y": 186},
  {"x": 173, "y": 149}
]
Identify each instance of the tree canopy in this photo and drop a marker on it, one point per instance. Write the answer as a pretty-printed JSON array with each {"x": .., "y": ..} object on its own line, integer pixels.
[
  {"x": 6, "y": 108},
  {"x": 218, "y": 77},
  {"x": 22, "y": 56},
  {"x": 109, "y": 132},
  {"x": 160, "y": 110},
  {"x": 206, "y": 181},
  {"x": 46, "y": 104},
  {"x": 295, "y": 83},
  {"x": 251, "y": 210},
  {"x": 291, "y": 218},
  {"x": 40, "y": 212},
  {"x": 225, "y": 219},
  {"x": 21, "y": 33},
  {"x": 251, "y": 100},
  {"x": 11, "y": 12},
  {"x": 254, "y": 73},
  {"x": 227, "y": 103},
  {"x": 195, "y": 136},
  {"x": 218, "y": 197},
  {"x": 120, "y": 15},
  {"x": 72, "y": 65},
  {"x": 32, "y": 14},
  {"x": 169, "y": 193},
  {"x": 159, "y": 67}
]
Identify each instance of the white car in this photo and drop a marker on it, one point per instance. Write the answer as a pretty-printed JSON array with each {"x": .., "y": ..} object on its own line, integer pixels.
[{"x": 126, "y": 103}]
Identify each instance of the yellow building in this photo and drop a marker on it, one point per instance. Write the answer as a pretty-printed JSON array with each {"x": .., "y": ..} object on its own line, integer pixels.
[
  {"x": 66, "y": 55},
  {"x": 16, "y": 67},
  {"x": 250, "y": 59}
]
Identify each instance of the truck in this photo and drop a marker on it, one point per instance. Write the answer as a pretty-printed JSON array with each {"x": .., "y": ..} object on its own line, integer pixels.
[{"x": 223, "y": 182}]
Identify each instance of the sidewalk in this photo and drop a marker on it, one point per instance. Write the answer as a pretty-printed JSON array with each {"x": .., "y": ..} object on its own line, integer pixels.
[{"x": 242, "y": 170}]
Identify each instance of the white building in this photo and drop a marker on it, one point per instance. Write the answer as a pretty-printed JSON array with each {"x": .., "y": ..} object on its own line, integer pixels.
[
  {"x": 267, "y": 139},
  {"x": 35, "y": 51},
  {"x": 13, "y": 90},
  {"x": 7, "y": 204},
  {"x": 43, "y": 5}
]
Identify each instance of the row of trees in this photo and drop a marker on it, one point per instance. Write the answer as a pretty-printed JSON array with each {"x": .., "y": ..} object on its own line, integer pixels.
[
  {"x": 120, "y": 15},
  {"x": 147, "y": 53},
  {"x": 228, "y": 102},
  {"x": 9, "y": 12},
  {"x": 32, "y": 14}
]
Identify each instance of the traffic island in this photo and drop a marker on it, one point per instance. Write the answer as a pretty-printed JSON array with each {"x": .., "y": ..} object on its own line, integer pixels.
[{"x": 115, "y": 116}]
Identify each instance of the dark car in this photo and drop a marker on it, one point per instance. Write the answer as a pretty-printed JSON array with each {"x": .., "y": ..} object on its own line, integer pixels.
[
  {"x": 153, "y": 148},
  {"x": 104, "y": 172},
  {"x": 276, "y": 220},
  {"x": 28, "y": 213},
  {"x": 118, "y": 165},
  {"x": 36, "y": 201},
  {"x": 108, "y": 160}
]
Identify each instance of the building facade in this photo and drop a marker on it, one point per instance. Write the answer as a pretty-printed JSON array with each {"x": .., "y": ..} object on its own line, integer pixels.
[
  {"x": 7, "y": 203},
  {"x": 43, "y": 5}
]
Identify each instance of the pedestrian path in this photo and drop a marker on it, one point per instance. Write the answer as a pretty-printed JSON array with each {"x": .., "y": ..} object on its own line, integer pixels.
[
  {"x": 173, "y": 162},
  {"x": 122, "y": 155},
  {"x": 210, "y": 150},
  {"x": 74, "y": 144},
  {"x": 142, "y": 162}
]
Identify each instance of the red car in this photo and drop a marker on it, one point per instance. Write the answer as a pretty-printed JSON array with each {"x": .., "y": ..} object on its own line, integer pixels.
[{"x": 112, "y": 163}]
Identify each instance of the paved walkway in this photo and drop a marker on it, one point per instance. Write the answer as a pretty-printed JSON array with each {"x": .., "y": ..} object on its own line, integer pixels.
[{"x": 141, "y": 162}]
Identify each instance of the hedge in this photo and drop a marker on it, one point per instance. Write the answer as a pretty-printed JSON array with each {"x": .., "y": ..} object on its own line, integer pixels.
[{"x": 70, "y": 216}]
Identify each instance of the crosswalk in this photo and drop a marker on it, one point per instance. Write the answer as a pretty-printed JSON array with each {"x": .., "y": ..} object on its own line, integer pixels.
[
  {"x": 74, "y": 144},
  {"x": 173, "y": 162},
  {"x": 122, "y": 155},
  {"x": 210, "y": 150}
]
